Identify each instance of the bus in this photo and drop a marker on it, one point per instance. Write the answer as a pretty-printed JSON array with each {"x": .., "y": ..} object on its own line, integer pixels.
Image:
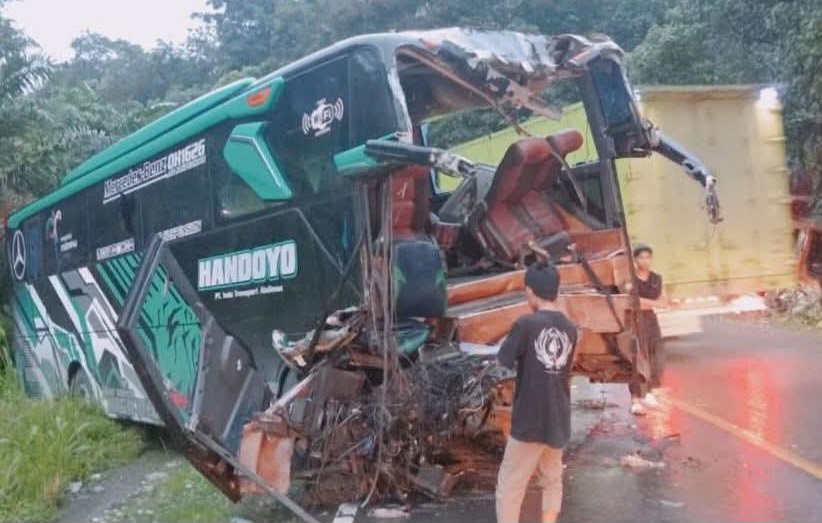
[
  {"x": 251, "y": 268},
  {"x": 206, "y": 175}
]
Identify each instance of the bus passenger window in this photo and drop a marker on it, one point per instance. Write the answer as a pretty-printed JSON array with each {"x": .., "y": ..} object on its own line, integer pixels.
[
  {"x": 372, "y": 107},
  {"x": 66, "y": 235},
  {"x": 114, "y": 225},
  {"x": 235, "y": 198},
  {"x": 178, "y": 206},
  {"x": 325, "y": 110},
  {"x": 310, "y": 125}
]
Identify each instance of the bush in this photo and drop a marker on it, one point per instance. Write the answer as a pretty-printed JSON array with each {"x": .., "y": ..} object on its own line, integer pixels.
[
  {"x": 797, "y": 307},
  {"x": 44, "y": 445}
]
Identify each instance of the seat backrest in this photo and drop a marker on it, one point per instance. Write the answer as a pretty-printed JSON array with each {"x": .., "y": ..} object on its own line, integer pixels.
[
  {"x": 419, "y": 273},
  {"x": 518, "y": 208},
  {"x": 524, "y": 162},
  {"x": 410, "y": 196}
]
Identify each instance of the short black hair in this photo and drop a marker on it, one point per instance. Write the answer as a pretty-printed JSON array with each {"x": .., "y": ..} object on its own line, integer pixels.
[
  {"x": 543, "y": 280},
  {"x": 639, "y": 248}
]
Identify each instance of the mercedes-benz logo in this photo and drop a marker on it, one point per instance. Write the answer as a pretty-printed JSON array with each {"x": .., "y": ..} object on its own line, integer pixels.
[{"x": 18, "y": 255}]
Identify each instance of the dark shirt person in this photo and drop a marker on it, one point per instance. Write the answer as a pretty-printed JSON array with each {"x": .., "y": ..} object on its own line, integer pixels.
[
  {"x": 649, "y": 363},
  {"x": 541, "y": 346}
]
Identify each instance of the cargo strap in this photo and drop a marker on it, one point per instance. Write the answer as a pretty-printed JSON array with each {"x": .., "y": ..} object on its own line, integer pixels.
[{"x": 600, "y": 287}]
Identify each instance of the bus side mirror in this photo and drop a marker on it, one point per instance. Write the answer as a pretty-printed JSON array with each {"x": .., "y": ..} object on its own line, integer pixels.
[
  {"x": 359, "y": 161},
  {"x": 249, "y": 158},
  {"x": 354, "y": 163}
]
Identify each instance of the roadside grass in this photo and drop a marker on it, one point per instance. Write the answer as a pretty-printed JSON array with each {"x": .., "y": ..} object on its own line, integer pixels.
[
  {"x": 184, "y": 496},
  {"x": 44, "y": 445}
]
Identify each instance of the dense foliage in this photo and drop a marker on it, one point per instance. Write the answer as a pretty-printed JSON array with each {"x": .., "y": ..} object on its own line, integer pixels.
[{"x": 730, "y": 41}]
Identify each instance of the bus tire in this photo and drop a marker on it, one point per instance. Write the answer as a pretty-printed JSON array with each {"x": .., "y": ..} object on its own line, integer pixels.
[{"x": 80, "y": 386}]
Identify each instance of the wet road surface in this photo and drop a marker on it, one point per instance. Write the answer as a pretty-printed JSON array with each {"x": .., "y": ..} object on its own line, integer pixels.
[{"x": 739, "y": 433}]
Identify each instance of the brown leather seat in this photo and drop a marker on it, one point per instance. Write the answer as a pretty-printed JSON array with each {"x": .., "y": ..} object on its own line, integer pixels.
[
  {"x": 518, "y": 209},
  {"x": 412, "y": 217},
  {"x": 410, "y": 193}
]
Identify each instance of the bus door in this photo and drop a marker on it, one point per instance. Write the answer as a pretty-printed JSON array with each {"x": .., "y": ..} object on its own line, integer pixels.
[{"x": 202, "y": 380}]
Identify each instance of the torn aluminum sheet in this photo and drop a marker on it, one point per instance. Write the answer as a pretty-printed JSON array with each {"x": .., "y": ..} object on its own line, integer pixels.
[{"x": 513, "y": 68}]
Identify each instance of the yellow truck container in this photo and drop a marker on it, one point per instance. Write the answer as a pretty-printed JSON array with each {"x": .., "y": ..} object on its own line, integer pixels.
[{"x": 737, "y": 131}]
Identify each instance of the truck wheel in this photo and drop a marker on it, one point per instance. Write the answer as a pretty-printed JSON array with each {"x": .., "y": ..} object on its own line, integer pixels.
[{"x": 80, "y": 386}]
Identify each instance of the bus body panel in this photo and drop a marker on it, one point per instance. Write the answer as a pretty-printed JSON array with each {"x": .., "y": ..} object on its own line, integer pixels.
[{"x": 261, "y": 266}]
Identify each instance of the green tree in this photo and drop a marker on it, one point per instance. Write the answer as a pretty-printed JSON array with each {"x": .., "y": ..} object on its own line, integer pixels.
[
  {"x": 22, "y": 70},
  {"x": 800, "y": 53},
  {"x": 121, "y": 72},
  {"x": 44, "y": 129},
  {"x": 243, "y": 30},
  {"x": 727, "y": 41},
  {"x": 274, "y": 32}
]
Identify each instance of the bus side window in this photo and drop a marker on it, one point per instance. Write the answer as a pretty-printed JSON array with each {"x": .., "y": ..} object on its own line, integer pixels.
[
  {"x": 372, "y": 106},
  {"x": 114, "y": 225},
  {"x": 233, "y": 196},
  {"x": 310, "y": 124},
  {"x": 33, "y": 260},
  {"x": 178, "y": 206},
  {"x": 66, "y": 235},
  {"x": 325, "y": 110}
]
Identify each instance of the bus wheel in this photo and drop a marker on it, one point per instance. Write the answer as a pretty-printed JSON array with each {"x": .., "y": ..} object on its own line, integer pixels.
[{"x": 80, "y": 386}]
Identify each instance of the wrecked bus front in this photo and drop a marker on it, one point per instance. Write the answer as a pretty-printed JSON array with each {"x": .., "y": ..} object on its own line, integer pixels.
[
  {"x": 698, "y": 260},
  {"x": 345, "y": 322}
]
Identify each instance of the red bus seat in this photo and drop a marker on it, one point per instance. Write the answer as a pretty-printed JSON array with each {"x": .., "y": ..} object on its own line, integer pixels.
[{"x": 518, "y": 208}]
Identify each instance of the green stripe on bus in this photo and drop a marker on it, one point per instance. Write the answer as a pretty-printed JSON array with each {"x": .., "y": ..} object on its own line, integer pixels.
[
  {"x": 103, "y": 272},
  {"x": 133, "y": 261},
  {"x": 25, "y": 304},
  {"x": 234, "y": 108},
  {"x": 26, "y": 321},
  {"x": 158, "y": 127},
  {"x": 128, "y": 270},
  {"x": 118, "y": 275}
]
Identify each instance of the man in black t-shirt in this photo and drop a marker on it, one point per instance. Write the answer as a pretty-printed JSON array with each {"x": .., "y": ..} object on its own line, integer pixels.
[{"x": 541, "y": 345}]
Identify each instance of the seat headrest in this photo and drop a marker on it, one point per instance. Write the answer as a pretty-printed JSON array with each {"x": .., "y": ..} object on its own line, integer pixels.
[
  {"x": 410, "y": 192},
  {"x": 521, "y": 162},
  {"x": 566, "y": 141}
]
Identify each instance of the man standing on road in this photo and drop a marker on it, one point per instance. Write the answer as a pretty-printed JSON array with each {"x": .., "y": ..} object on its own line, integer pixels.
[
  {"x": 648, "y": 367},
  {"x": 541, "y": 345}
]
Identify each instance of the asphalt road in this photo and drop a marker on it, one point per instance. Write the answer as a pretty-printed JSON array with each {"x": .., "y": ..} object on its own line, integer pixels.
[{"x": 737, "y": 438}]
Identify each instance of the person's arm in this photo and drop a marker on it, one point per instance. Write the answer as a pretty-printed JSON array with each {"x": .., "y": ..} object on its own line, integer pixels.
[
  {"x": 511, "y": 348},
  {"x": 649, "y": 304},
  {"x": 661, "y": 302}
]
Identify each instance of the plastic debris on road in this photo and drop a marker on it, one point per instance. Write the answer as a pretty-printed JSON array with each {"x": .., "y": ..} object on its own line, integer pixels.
[{"x": 635, "y": 461}]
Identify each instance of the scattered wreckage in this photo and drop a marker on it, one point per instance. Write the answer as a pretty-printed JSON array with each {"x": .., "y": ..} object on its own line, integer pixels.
[{"x": 397, "y": 390}]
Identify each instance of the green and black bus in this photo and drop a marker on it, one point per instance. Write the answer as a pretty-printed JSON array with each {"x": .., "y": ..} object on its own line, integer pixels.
[
  {"x": 242, "y": 176},
  {"x": 255, "y": 185}
]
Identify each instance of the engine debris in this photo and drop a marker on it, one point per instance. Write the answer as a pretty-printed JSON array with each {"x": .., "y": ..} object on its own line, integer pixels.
[{"x": 444, "y": 422}]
